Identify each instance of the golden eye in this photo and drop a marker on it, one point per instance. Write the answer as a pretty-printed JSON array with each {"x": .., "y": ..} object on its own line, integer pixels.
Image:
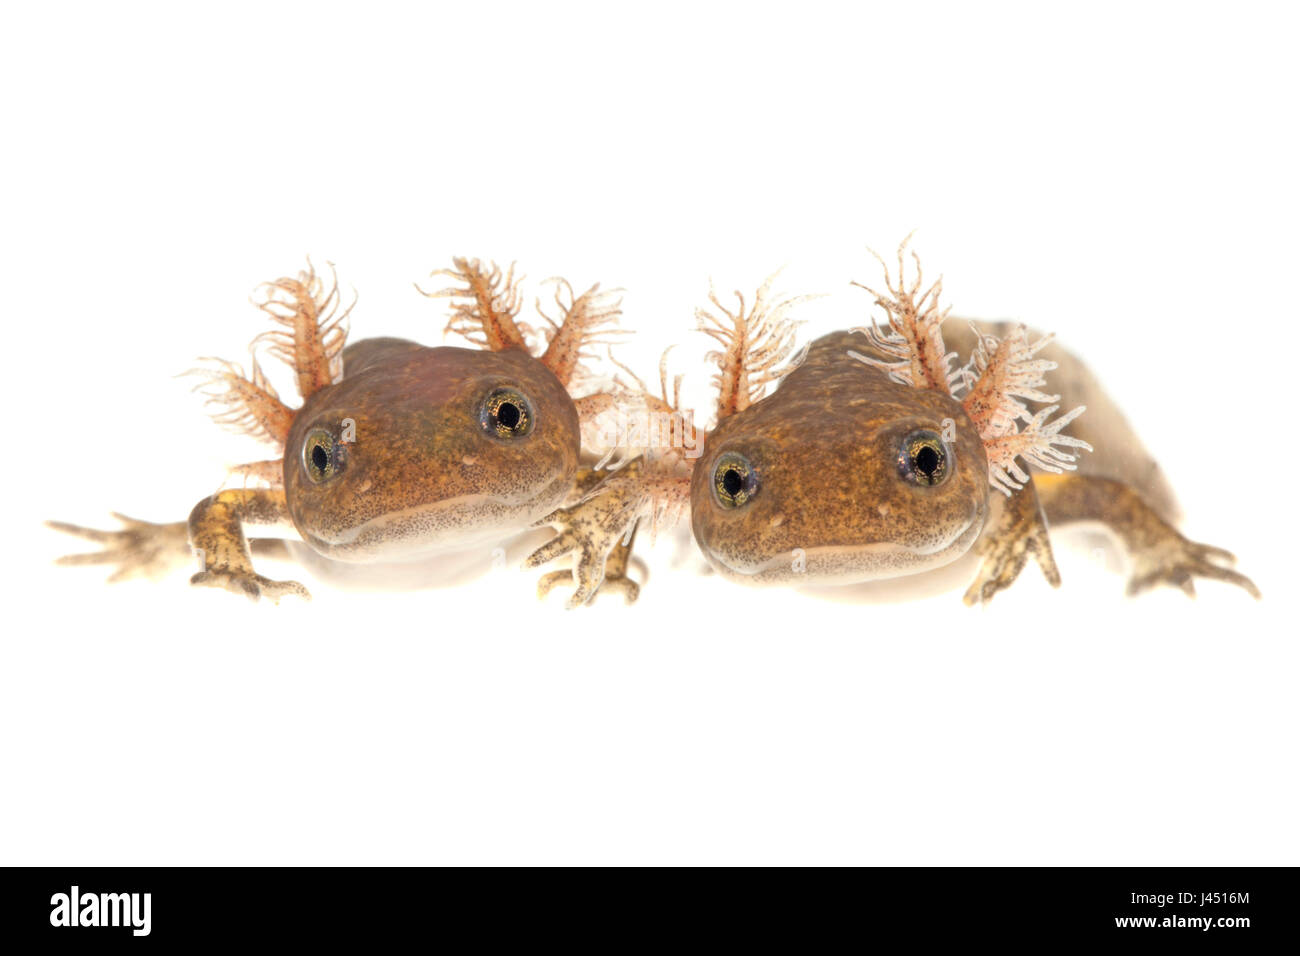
[
  {"x": 924, "y": 458},
  {"x": 507, "y": 414},
  {"x": 322, "y": 457},
  {"x": 734, "y": 480}
]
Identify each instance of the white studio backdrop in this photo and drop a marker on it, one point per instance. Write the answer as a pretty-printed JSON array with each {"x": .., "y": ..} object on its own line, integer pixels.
[{"x": 1123, "y": 176}]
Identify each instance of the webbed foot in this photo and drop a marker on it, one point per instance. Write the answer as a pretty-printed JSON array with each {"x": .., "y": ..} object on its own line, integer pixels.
[
  {"x": 620, "y": 583},
  {"x": 1021, "y": 532},
  {"x": 1159, "y": 554},
  {"x": 1174, "y": 560},
  {"x": 253, "y": 586},
  {"x": 141, "y": 549},
  {"x": 217, "y": 530},
  {"x": 594, "y": 530},
  {"x": 617, "y": 580}
]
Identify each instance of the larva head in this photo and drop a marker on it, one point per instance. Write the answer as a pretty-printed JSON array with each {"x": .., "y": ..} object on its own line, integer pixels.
[
  {"x": 840, "y": 476},
  {"x": 425, "y": 450}
]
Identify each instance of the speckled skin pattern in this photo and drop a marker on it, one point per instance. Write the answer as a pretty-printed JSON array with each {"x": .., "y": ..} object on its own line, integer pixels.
[
  {"x": 423, "y": 475},
  {"x": 832, "y": 505}
]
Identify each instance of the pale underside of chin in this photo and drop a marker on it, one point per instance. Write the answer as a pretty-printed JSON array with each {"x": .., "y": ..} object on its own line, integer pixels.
[
  {"x": 445, "y": 527},
  {"x": 841, "y": 565},
  {"x": 448, "y": 568}
]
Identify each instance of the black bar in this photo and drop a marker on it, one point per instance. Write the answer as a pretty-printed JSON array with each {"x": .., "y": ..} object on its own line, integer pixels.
[{"x": 1225, "y": 907}]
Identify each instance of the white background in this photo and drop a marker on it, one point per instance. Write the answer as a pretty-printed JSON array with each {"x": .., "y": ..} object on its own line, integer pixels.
[{"x": 1123, "y": 175}]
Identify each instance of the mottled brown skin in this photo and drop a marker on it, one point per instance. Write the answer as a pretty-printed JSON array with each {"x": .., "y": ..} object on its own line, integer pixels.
[
  {"x": 216, "y": 538},
  {"x": 832, "y": 505},
  {"x": 423, "y": 476},
  {"x": 1119, "y": 487},
  {"x": 1159, "y": 554},
  {"x": 825, "y": 446}
]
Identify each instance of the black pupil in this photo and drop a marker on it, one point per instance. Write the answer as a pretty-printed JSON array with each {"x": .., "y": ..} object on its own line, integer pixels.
[
  {"x": 926, "y": 460},
  {"x": 732, "y": 482},
  {"x": 508, "y": 414},
  {"x": 319, "y": 457}
]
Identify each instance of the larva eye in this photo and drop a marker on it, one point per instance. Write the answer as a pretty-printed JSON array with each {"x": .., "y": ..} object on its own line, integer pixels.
[
  {"x": 506, "y": 413},
  {"x": 924, "y": 458},
  {"x": 321, "y": 456},
  {"x": 734, "y": 480}
]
